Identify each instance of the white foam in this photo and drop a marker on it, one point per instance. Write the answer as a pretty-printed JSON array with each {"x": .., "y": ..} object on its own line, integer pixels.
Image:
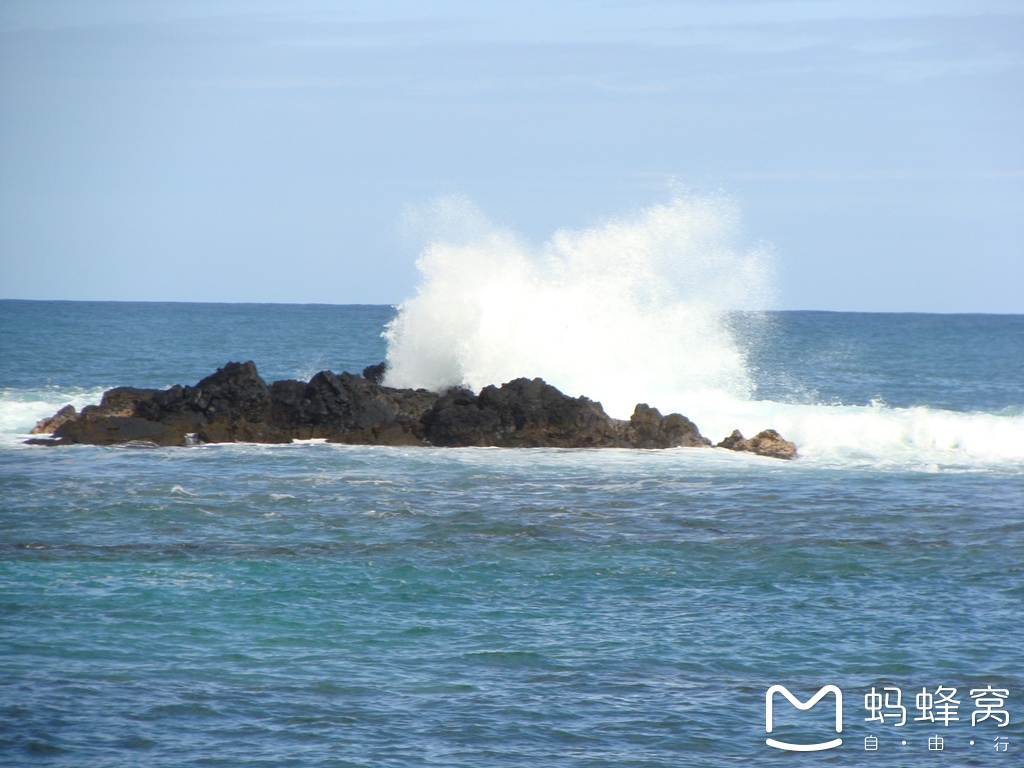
[
  {"x": 635, "y": 310},
  {"x": 631, "y": 309},
  {"x": 20, "y": 410},
  {"x": 875, "y": 435}
]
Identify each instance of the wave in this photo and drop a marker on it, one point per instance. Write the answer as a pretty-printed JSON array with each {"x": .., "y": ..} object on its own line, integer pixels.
[
  {"x": 20, "y": 409},
  {"x": 827, "y": 435},
  {"x": 637, "y": 310},
  {"x": 876, "y": 434},
  {"x": 633, "y": 306}
]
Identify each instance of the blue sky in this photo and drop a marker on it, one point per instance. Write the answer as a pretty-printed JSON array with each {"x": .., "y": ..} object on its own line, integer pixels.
[{"x": 270, "y": 151}]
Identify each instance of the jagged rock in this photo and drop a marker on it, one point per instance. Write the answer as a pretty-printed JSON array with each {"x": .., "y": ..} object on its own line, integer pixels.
[
  {"x": 349, "y": 409},
  {"x": 375, "y": 373},
  {"x": 456, "y": 419},
  {"x": 768, "y": 442},
  {"x": 234, "y": 393},
  {"x": 231, "y": 405},
  {"x": 525, "y": 413},
  {"x": 50, "y": 423},
  {"x": 649, "y": 429},
  {"x": 114, "y": 421},
  {"x": 734, "y": 442},
  {"x": 765, "y": 443},
  {"x": 119, "y": 401},
  {"x": 236, "y": 405}
]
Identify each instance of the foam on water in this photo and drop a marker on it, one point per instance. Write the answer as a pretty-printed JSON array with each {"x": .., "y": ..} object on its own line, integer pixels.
[
  {"x": 878, "y": 435},
  {"x": 636, "y": 310},
  {"x": 20, "y": 410}
]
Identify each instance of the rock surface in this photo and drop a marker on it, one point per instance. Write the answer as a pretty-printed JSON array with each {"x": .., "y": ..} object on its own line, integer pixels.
[
  {"x": 347, "y": 408},
  {"x": 236, "y": 405},
  {"x": 765, "y": 443},
  {"x": 119, "y": 401},
  {"x": 375, "y": 373},
  {"x": 47, "y": 425},
  {"x": 524, "y": 413},
  {"x": 649, "y": 429},
  {"x": 117, "y": 430}
]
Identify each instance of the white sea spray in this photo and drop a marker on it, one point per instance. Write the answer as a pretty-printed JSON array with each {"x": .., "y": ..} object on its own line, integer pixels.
[{"x": 636, "y": 309}]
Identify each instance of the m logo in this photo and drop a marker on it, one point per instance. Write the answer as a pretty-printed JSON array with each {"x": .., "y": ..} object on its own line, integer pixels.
[{"x": 802, "y": 706}]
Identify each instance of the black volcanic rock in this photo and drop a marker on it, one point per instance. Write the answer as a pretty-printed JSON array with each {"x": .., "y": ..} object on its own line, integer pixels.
[
  {"x": 524, "y": 413},
  {"x": 119, "y": 401},
  {"x": 231, "y": 405},
  {"x": 349, "y": 409},
  {"x": 375, "y": 373},
  {"x": 234, "y": 393},
  {"x": 236, "y": 405},
  {"x": 456, "y": 419},
  {"x": 649, "y": 429}
]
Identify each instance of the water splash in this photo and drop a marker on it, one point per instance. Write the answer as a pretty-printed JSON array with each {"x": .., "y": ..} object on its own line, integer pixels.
[
  {"x": 634, "y": 309},
  {"x": 21, "y": 409},
  {"x": 637, "y": 309}
]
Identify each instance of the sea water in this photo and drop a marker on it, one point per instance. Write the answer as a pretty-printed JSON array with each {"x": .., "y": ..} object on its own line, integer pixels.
[{"x": 328, "y": 605}]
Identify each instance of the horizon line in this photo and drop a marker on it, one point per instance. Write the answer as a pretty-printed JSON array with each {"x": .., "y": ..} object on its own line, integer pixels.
[{"x": 394, "y": 305}]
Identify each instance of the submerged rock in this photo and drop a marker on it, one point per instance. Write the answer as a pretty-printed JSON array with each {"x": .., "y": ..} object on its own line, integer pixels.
[
  {"x": 236, "y": 405},
  {"x": 765, "y": 443}
]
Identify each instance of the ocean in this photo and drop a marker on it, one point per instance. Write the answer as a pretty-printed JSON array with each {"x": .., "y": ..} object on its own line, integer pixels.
[{"x": 327, "y": 605}]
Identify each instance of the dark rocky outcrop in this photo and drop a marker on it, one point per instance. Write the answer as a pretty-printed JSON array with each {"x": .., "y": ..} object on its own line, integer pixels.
[
  {"x": 236, "y": 405},
  {"x": 112, "y": 422},
  {"x": 119, "y": 401},
  {"x": 524, "y": 413},
  {"x": 765, "y": 443},
  {"x": 649, "y": 429},
  {"x": 232, "y": 405},
  {"x": 349, "y": 409}
]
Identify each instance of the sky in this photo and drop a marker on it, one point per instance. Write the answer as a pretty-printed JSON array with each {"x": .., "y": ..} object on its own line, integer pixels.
[{"x": 271, "y": 151}]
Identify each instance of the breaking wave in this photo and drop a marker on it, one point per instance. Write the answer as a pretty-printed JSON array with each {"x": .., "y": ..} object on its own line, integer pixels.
[
  {"x": 637, "y": 310},
  {"x": 21, "y": 409},
  {"x": 632, "y": 308}
]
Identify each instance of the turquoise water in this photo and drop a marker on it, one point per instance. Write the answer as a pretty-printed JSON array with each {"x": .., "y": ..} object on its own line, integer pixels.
[{"x": 327, "y": 605}]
